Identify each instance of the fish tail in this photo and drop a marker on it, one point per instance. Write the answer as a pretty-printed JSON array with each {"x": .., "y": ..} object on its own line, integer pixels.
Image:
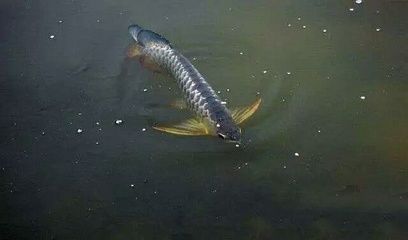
[{"x": 134, "y": 30}]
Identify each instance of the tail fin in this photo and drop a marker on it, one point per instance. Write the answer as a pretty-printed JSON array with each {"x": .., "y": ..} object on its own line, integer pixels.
[{"x": 134, "y": 30}]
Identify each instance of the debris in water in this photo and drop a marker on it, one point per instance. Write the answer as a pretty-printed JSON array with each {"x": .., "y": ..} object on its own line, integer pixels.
[
  {"x": 228, "y": 89},
  {"x": 362, "y": 97},
  {"x": 132, "y": 185},
  {"x": 324, "y": 30},
  {"x": 97, "y": 123},
  {"x": 288, "y": 73},
  {"x": 359, "y": 1},
  {"x": 52, "y": 36},
  {"x": 264, "y": 71},
  {"x": 97, "y": 143},
  {"x": 289, "y": 25},
  {"x": 299, "y": 18},
  {"x": 378, "y": 29},
  {"x": 297, "y": 154},
  {"x": 304, "y": 26},
  {"x": 143, "y": 129},
  {"x": 241, "y": 53},
  {"x": 79, "y": 130},
  {"x": 145, "y": 90},
  {"x": 351, "y": 9},
  {"x": 118, "y": 122},
  {"x": 237, "y": 145},
  {"x": 60, "y": 21}
]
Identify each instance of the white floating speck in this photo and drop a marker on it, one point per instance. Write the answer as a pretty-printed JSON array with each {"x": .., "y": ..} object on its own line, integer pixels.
[
  {"x": 52, "y": 36},
  {"x": 79, "y": 114},
  {"x": 299, "y": 18},
  {"x": 257, "y": 93},
  {"x": 241, "y": 53},
  {"x": 60, "y": 21},
  {"x": 378, "y": 29},
  {"x": 284, "y": 166},
  {"x": 79, "y": 130},
  {"x": 97, "y": 123},
  {"x": 143, "y": 129},
  {"x": 145, "y": 90},
  {"x": 359, "y": 1},
  {"x": 237, "y": 145},
  {"x": 43, "y": 133},
  {"x": 228, "y": 89},
  {"x": 98, "y": 20},
  {"x": 289, "y": 25},
  {"x": 223, "y": 103},
  {"x": 97, "y": 143},
  {"x": 246, "y": 164},
  {"x": 362, "y": 97},
  {"x": 319, "y": 131},
  {"x": 304, "y": 26},
  {"x": 118, "y": 122},
  {"x": 288, "y": 73},
  {"x": 324, "y": 30},
  {"x": 132, "y": 185},
  {"x": 351, "y": 9},
  {"x": 264, "y": 71},
  {"x": 218, "y": 125},
  {"x": 297, "y": 154}
]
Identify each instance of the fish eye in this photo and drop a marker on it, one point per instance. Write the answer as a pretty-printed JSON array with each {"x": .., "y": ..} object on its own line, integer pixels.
[{"x": 222, "y": 135}]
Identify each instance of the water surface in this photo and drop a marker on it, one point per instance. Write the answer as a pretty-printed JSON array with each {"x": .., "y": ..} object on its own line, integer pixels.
[{"x": 324, "y": 158}]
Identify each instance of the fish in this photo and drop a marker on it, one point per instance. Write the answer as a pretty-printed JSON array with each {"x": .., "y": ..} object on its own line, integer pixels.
[{"x": 212, "y": 117}]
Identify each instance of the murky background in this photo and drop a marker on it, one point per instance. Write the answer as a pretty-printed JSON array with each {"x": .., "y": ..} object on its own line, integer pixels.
[{"x": 324, "y": 158}]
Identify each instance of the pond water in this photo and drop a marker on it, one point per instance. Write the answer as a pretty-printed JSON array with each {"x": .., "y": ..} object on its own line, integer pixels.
[{"x": 325, "y": 157}]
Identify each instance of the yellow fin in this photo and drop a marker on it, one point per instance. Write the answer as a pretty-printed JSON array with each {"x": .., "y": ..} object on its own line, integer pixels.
[
  {"x": 190, "y": 127},
  {"x": 241, "y": 114},
  {"x": 134, "y": 50},
  {"x": 149, "y": 63}
]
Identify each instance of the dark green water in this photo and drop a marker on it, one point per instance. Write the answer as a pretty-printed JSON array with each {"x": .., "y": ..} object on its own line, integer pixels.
[{"x": 326, "y": 156}]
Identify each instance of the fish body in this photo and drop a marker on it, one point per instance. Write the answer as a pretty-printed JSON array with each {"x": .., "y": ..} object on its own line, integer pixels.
[{"x": 198, "y": 94}]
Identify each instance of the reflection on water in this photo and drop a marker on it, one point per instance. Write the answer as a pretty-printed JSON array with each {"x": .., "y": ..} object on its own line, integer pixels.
[{"x": 324, "y": 158}]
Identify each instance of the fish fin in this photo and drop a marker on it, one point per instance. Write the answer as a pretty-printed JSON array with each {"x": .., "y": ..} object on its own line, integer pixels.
[
  {"x": 241, "y": 114},
  {"x": 179, "y": 104},
  {"x": 134, "y": 50},
  {"x": 190, "y": 127},
  {"x": 148, "y": 63}
]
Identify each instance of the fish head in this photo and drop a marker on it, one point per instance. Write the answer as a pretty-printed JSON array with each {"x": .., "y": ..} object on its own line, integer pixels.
[{"x": 228, "y": 131}]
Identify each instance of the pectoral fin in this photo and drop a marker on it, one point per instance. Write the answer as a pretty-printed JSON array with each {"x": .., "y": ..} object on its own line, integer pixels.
[
  {"x": 241, "y": 114},
  {"x": 134, "y": 50},
  {"x": 190, "y": 127},
  {"x": 149, "y": 63}
]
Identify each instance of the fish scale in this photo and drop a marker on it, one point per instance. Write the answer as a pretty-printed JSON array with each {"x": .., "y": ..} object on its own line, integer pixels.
[{"x": 200, "y": 97}]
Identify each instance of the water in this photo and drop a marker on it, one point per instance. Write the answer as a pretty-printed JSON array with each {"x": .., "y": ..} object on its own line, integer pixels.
[{"x": 324, "y": 158}]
